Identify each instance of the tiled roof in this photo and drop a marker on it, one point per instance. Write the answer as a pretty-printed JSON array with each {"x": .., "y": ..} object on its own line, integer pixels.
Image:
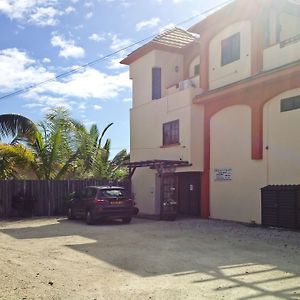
[{"x": 175, "y": 37}]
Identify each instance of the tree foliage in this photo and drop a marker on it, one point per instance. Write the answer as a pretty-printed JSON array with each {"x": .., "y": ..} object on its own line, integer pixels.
[{"x": 58, "y": 147}]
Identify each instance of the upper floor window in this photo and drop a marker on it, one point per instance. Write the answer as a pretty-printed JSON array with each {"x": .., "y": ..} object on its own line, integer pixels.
[
  {"x": 194, "y": 67},
  {"x": 197, "y": 70},
  {"x": 156, "y": 83},
  {"x": 290, "y": 104},
  {"x": 231, "y": 49},
  {"x": 171, "y": 133}
]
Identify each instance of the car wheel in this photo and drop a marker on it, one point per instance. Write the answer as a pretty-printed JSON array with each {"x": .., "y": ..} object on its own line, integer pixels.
[
  {"x": 89, "y": 218},
  {"x": 126, "y": 220},
  {"x": 70, "y": 214}
]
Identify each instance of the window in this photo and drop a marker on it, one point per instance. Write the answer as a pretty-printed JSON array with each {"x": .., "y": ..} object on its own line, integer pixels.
[
  {"x": 113, "y": 193},
  {"x": 196, "y": 70},
  {"x": 290, "y": 104},
  {"x": 156, "y": 83},
  {"x": 231, "y": 49},
  {"x": 171, "y": 133},
  {"x": 91, "y": 192}
]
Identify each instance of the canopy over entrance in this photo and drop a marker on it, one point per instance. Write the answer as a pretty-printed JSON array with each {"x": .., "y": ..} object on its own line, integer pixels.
[{"x": 162, "y": 166}]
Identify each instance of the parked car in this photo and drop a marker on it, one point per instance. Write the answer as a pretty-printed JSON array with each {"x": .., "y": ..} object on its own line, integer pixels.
[{"x": 102, "y": 202}]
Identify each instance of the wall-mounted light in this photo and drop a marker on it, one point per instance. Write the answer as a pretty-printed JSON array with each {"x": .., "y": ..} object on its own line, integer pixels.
[{"x": 176, "y": 69}]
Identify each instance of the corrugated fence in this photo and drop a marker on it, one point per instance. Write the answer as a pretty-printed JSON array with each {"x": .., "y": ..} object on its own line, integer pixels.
[{"x": 45, "y": 197}]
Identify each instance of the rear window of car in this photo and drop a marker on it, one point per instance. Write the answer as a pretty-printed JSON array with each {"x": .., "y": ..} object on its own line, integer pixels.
[{"x": 112, "y": 193}]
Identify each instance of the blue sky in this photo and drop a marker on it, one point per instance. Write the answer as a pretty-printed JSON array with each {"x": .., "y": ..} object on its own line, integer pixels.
[{"x": 43, "y": 38}]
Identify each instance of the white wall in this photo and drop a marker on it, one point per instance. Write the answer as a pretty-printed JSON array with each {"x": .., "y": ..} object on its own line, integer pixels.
[
  {"x": 171, "y": 65},
  {"x": 195, "y": 61},
  {"x": 238, "y": 199},
  {"x": 282, "y": 136},
  {"x": 223, "y": 75},
  {"x": 147, "y": 139},
  {"x": 276, "y": 56}
]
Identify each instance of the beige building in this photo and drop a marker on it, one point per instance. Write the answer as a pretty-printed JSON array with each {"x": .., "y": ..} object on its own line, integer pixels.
[{"x": 221, "y": 104}]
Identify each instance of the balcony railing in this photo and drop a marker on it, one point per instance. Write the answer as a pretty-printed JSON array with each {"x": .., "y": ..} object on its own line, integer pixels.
[
  {"x": 289, "y": 41},
  {"x": 184, "y": 85}
]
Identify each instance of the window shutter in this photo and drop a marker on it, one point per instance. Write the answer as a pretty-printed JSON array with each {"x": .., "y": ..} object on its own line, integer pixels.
[{"x": 156, "y": 83}]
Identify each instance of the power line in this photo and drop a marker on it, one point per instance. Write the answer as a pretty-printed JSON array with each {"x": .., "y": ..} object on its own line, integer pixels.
[{"x": 93, "y": 62}]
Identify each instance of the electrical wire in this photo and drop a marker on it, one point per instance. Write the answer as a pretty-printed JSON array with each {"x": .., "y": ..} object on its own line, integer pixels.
[{"x": 96, "y": 61}]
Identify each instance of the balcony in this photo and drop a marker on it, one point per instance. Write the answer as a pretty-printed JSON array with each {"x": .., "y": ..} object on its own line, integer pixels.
[
  {"x": 191, "y": 83},
  {"x": 282, "y": 53}
]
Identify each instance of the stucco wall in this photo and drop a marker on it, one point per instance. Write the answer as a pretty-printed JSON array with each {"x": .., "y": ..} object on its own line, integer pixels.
[
  {"x": 147, "y": 138},
  {"x": 238, "y": 199},
  {"x": 144, "y": 190},
  {"x": 282, "y": 136},
  {"x": 146, "y": 130},
  {"x": 171, "y": 65},
  {"x": 222, "y": 75},
  {"x": 276, "y": 56}
]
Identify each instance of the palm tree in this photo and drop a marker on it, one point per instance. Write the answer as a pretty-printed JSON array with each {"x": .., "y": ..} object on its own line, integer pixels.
[
  {"x": 49, "y": 151},
  {"x": 95, "y": 159},
  {"x": 15, "y": 129},
  {"x": 59, "y": 147}
]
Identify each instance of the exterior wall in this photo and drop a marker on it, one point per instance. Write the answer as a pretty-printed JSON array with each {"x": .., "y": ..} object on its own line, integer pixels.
[
  {"x": 290, "y": 26},
  {"x": 239, "y": 199},
  {"x": 276, "y": 56},
  {"x": 171, "y": 65},
  {"x": 196, "y": 61},
  {"x": 141, "y": 75},
  {"x": 147, "y": 138},
  {"x": 282, "y": 134},
  {"x": 147, "y": 133},
  {"x": 223, "y": 75}
]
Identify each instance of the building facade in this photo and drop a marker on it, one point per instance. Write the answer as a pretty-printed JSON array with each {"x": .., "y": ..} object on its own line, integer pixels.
[{"x": 225, "y": 97}]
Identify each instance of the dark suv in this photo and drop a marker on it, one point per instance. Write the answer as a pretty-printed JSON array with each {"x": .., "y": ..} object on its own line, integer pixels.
[{"x": 102, "y": 202}]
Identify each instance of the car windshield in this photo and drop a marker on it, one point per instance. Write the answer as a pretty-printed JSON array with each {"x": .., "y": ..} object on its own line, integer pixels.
[{"x": 113, "y": 193}]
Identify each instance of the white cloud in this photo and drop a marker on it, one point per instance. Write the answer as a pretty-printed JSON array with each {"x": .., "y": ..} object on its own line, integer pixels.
[
  {"x": 37, "y": 12},
  {"x": 127, "y": 100},
  {"x": 18, "y": 70},
  {"x": 88, "y": 4},
  {"x": 146, "y": 24},
  {"x": 118, "y": 43},
  {"x": 68, "y": 47},
  {"x": 46, "y": 60},
  {"x": 89, "y": 15},
  {"x": 97, "y": 107},
  {"x": 89, "y": 84},
  {"x": 96, "y": 37},
  {"x": 82, "y": 106},
  {"x": 70, "y": 9}
]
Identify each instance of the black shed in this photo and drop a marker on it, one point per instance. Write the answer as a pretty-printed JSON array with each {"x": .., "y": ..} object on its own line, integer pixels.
[{"x": 281, "y": 206}]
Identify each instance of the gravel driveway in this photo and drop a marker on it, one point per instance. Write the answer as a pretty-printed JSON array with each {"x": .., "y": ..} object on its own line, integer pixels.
[{"x": 185, "y": 259}]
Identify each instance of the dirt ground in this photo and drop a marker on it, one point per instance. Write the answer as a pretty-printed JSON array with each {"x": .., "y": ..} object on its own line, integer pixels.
[{"x": 185, "y": 259}]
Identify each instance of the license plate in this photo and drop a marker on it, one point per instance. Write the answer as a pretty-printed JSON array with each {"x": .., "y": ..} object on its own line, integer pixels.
[{"x": 116, "y": 202}]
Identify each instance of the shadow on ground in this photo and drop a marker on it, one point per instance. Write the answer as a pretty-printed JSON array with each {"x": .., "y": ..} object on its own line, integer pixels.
[{"x": 225, "y": 256}]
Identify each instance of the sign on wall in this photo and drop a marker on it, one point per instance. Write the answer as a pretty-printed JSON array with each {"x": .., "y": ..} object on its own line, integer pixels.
[{"x": 223, "y": 174}]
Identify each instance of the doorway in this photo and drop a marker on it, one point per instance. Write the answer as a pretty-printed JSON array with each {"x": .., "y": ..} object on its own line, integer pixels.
[
  {"x": 189, "y": 194},
  {"x": 183, "y": 188}
]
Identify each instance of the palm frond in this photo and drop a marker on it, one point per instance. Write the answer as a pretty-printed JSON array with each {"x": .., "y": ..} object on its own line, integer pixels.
[{"x": 16, "y": 126}]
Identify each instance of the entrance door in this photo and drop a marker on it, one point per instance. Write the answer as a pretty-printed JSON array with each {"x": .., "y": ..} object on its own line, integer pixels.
[
  {"x": 169, "y": 186},
  {"x": 189, "y": 194}
]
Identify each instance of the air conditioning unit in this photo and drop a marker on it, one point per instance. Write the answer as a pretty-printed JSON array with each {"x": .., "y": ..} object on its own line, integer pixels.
[{"x": 185, "y": 84}]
